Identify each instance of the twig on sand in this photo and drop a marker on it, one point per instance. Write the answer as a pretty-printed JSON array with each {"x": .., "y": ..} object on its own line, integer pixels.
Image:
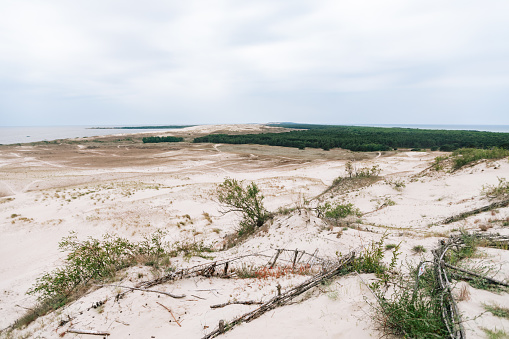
[
  {"x": 78, "y": 331},
  {"x": 178, "y": 296},
  {"x": 249, "y": 302},
  {"x": 170, "y": 313}
]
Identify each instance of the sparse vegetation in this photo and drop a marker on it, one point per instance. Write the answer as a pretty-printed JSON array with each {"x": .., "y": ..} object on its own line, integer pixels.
[
  {"x": 397, "y": 184},
  {"x": 467, "y": 156},
  {"x": 92, "y": 260},
  {"x": 498, "y": 311},
  {"x": 418, "y": 249},
  {"x": 500, "y": 191},
  {"x": 355, "y": 178},
  {"x": 495, "y": 334}
]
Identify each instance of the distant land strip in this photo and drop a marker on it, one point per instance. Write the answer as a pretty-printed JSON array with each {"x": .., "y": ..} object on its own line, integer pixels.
[
  {"x": 365, "y": 139},
  {"x": 145, "y": 127}
]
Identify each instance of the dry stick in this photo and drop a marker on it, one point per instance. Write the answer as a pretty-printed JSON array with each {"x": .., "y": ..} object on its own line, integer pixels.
[
  {"x": 275, "y": 258},
  {"x": 170, "y": 313},
  {"x": 464, "y": 215},
  {"x": 295, "y": 259},
  {"x": 146, "y": 290},
  {"x": 477, "y": 275},
  {"x": 75, "y": 330},
  {"x": 249, "y": 302},
  {"x": 287, "y": 296}
]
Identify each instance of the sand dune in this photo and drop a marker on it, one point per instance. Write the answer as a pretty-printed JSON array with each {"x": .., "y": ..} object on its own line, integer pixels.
[{"x": 133, "y": 189}]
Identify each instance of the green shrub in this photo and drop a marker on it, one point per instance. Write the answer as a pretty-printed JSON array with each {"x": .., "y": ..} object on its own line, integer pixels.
[
  {"x": 246, "y": 200},
  {"x": 338, "y": 211}
]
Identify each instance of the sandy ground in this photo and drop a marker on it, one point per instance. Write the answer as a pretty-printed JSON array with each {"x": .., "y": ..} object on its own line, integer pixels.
[{"x": 131, "y": 189}]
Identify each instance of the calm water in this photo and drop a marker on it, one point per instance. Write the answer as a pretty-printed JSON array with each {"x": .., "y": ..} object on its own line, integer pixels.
[
  {"x": 488, "y": 128},
  {"x": 14, "y": 135}
]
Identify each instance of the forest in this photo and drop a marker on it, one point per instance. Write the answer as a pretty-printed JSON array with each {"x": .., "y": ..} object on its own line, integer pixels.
[
  {"x": 365, "y": 139},
  {"x": 161, "y": 139}
]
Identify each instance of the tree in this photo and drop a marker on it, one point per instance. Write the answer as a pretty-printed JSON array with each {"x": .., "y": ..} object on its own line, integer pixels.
[{"x": 247, "y": 201}]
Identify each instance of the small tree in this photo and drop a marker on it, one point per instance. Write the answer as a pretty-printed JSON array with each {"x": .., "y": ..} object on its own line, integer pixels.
[{"x": 247, "y": 201}]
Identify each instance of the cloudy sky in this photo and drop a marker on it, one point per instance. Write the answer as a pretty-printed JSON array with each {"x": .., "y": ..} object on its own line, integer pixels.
[{"x": 185, "y": 62}]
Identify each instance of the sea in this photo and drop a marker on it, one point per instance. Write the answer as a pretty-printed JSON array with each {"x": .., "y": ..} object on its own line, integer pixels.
[
  {"x": 24, "y": 134},
  {"x": 20, "y": 134}
]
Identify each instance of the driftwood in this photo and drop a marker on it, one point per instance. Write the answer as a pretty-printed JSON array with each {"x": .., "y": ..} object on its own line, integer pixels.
[
  {"x": 177, "y": 296},
  {"x": 498, "y": 204},
  {"x": 170, "y": 313},
  {"x": 286, "y": 296},
  {"x": 78, "y": 331},
  {"x": 494, "y": 281},
  {"x": 249, "y": 302}
]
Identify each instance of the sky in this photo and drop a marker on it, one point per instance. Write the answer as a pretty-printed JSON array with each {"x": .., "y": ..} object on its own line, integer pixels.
[{"x": 219, "y": 61}]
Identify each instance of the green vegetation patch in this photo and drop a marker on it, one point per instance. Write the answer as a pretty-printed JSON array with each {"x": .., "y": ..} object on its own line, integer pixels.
[
  {"x": 365, "y": 139},
  {"x": 501, "y": 312},
  {"x": 92, "y": 261},
  {"x": 467, "y": 156},
  {"x": 147, "y": 140}
]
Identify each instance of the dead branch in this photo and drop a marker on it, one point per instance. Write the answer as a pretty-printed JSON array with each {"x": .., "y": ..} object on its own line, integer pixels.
[
  {"x": 78, "y": 331},
  {"x": 177, "y": 296},
  {"x": 170, "y": 313},
  {"x": 464, "y": 215},
  {"x": 494, "y": 281},
  {"x": 249, "y": 302},
  {"x": 284, "y": 298}
]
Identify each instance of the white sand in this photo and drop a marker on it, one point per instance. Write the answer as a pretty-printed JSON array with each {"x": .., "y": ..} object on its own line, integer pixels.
[{"x": 63, "y": 195}]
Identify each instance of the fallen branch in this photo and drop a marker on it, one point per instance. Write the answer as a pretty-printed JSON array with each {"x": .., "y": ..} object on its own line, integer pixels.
[
  {"x": 249, "y": 302},
  {"x": 464, "y": 215},
  {"x": 177, "y": 296},
  {"x": 284, "y": 298},
  {"x": 494, "y": 281},
  {"x": 170, "y": 313},
  {"x": 78, "y": 331}
]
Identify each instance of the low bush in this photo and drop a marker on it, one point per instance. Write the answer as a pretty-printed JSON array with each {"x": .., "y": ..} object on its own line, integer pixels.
[
  {"x": 337, "y": 211},
  {"x": 91, "y": 261}
]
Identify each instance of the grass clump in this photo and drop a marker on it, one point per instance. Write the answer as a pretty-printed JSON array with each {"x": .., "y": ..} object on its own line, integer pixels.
[
  {"x": 495, "y": 334},
  {"x": 189, "y": 249},
  {"x": 412, "y": 312},
  {"x": 418, "y": 249},
  {"x": 500, "y": 191},
  {"x": 355, "y": 178},
  {"x": 389, "y": 247},
  {"x": 501, "y": 312}
]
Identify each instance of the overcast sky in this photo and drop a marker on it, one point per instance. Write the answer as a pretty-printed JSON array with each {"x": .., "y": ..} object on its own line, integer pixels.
[{"x": 185, "y": 62}]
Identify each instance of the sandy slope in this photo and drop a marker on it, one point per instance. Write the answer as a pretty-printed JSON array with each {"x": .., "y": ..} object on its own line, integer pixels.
[{"x": 133, "y": 189}]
